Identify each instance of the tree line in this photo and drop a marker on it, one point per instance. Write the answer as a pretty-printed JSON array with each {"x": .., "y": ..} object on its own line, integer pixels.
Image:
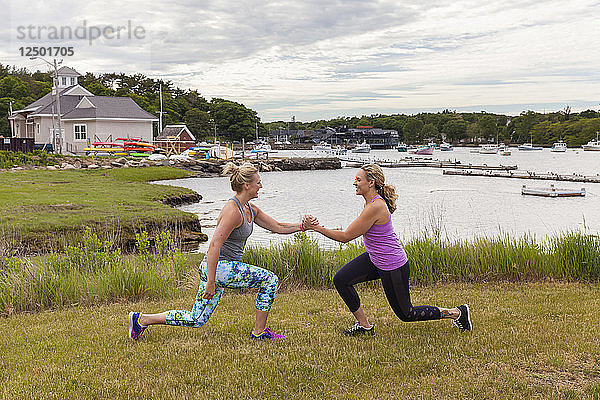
[{"x": 234, "y": 121}]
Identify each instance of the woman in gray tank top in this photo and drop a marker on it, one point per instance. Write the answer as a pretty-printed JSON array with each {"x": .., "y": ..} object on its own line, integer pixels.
[{"x": 222, "y": 268}]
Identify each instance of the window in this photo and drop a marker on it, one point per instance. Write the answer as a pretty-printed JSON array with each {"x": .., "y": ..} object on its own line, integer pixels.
[
  {"x": 64, "y": 80},
  {"x": 80, "y": 132},
  {"x": 73, "y": 81}
]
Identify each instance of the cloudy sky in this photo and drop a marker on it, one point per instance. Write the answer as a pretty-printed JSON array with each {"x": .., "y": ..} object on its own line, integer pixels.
[{"x": 318, "y": 59}]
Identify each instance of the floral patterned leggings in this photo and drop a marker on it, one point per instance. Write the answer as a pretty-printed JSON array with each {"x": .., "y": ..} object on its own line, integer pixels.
[{"x": 230, "y": 274}]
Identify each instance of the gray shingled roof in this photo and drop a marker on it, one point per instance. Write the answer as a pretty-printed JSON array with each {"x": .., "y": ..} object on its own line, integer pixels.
[
  {"x": 66, "y": 71},
  {"x": 108, "y": 107}
]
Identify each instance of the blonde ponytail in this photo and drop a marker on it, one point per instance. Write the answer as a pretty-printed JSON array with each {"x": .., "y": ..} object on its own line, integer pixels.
[
  {"x": 239, "y": 174},
  {"x": 388, "y": 192}
]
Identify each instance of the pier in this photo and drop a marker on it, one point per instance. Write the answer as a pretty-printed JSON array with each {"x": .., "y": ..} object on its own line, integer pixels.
[
  {"x": 421, "y": 163},
  {"x": 517, "y": 174}
]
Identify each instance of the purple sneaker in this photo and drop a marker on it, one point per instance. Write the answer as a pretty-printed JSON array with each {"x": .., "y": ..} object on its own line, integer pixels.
[
  {"x": 267, "y": 334},
  {"x": 135, "y": 328}
]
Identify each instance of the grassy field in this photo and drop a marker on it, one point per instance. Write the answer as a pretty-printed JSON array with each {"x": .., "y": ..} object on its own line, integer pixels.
[
  {"x": 39, "y": 208},
  {"x": 530, "y": 340}
]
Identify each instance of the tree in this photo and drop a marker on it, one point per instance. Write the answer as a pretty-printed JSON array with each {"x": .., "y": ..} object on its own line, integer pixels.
[
  {"x": 198, "y": 122},
  {"x": 412, "y": 129},
  {"x": 429, "y": 131},
  {"x": 488, "y": 127},
  {"x": 455, "y": 129}
]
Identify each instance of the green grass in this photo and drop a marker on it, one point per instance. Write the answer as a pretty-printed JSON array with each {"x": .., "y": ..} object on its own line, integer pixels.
[
  {"x": 530, "y": 340},
  {"x": 40, "y": 209},
  {"x": 94, "y": 270},
  {"x": 10, "y": 159}
]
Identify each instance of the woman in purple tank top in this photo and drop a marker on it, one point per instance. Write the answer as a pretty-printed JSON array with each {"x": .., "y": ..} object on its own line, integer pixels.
[{"x": 384, "y": 259}]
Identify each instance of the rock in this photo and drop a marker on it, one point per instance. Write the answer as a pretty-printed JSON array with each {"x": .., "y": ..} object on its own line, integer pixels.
[
  {"x": 77, "y": 164},
  {"x": 93, "y": 166},
  {"x": 51, "y": 167},
  {"x": 171, "y": 162},
  {"x": 121, "y": 160},
  {"x": 67, "y": 166},
  {"x": 116, "y": 164},
  {"x": 106, "y": 167}
]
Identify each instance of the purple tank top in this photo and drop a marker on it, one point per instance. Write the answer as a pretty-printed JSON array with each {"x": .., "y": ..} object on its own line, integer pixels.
[{"x": 383, "y": 246}]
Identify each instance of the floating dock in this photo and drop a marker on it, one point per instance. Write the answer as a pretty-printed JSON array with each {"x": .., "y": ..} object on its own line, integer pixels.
[
  {"x": 552, "y": 192},
  {"x": 356, "y": 162},
  {"x": 517, "y": 174}
]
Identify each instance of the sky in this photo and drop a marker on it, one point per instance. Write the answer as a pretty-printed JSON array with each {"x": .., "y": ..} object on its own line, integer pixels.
[{"x": 320, "y": 59}]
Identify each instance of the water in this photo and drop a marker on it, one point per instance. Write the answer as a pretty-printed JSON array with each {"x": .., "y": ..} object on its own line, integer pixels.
[{"x": 454, "y": 207}]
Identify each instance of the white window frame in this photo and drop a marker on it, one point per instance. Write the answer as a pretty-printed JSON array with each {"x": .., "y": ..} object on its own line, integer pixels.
[
  {"x": 75, "y": 132},
  {"x": 73, "y": 81},
  {"x": 63, "y": 80}
]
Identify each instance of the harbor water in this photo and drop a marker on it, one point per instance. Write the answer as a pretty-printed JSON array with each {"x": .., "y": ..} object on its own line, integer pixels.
[{"x": 429, "y": 203}]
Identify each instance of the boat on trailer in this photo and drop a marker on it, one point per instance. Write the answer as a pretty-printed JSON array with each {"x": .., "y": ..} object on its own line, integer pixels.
[{"x": 552, "y": 192}]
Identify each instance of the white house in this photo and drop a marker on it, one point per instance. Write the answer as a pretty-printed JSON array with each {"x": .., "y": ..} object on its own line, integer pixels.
[{"x": 85, "y": 118}]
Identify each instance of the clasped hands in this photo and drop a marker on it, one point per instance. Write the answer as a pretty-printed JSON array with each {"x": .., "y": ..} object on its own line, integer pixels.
[{"x": 309, "y": 222}]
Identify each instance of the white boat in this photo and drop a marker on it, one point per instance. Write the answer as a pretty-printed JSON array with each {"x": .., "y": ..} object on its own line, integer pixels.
[
  {"x": 488, "y": 149},
  {"x": 529, "y": 147},
  {"x": 552, "y": 192},
  {"x": 559, "y": 147},
  {"x": 503, "y": 150},
  {"x": 221, "y": 152},
  {"x": 364, "y": 147},
  {"x": 446, "y": 147},
  {"x": 402, "y": 147},
  {"x": 592, "y": 145},
  {"x": 261, "y": 148},
  {"x": 323, "y": 146}
]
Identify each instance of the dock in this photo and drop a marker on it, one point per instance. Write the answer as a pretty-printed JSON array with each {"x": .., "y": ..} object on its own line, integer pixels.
[
  {"x": 519, "y": 174},
  {"x": 357, "y": 162}
]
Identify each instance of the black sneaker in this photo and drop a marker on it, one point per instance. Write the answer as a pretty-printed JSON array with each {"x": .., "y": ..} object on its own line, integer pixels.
[
  {"x": 358, "y": 330},
  {"x": 463, "y": 322}
]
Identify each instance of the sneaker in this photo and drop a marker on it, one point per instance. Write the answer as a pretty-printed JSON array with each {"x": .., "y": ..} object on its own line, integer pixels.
[
  {"x": 358, "y": 330},
  {"x": 267, "y": 334},
  {"x": 463, "y": 322},
  {"x": 135, "y": 328}
]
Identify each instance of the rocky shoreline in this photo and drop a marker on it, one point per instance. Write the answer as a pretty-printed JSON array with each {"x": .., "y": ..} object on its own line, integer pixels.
[{"x": 200, "y": 168}]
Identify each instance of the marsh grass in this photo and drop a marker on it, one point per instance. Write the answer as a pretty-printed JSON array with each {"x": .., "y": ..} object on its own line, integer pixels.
[
  {"x": 570, "y": 256},
  {"x": 530, "y": 341},
  {"x": 93, "y": 271}
]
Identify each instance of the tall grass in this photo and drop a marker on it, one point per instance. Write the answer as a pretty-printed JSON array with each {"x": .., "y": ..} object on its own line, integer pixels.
[
  {"x": 91, "y": 272},
  {"x": 570, "y": 256},
  {"x": 95, "y": 271}
]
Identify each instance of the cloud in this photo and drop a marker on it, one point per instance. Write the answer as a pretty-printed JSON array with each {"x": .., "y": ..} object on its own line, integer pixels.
[{"x": 314, "y": 59}]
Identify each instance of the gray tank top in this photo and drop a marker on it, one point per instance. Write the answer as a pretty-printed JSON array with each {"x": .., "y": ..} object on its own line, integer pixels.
[{"x": 233, "y": 247}]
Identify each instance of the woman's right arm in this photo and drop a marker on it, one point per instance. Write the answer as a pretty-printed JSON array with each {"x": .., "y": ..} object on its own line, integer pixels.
[{"x": 229, "y": 219}]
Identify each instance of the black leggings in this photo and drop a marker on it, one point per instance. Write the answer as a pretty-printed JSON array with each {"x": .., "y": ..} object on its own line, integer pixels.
[{"x": 395, "y": 286}]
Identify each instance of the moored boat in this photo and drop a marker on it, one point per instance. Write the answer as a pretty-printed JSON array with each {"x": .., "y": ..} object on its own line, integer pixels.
[
  {"x": 446, "y": 147},
  {"x": 423, "y": 150},
  {"x": 529, "y": 147},
  {"x": 488, "y": 149},
  {"x": 323, "y": 146},
  {"x": 559, "y": 147},
  {"x": 592, "y": 145},
  {"x": 364, "y": 147},
  {"x": 402, "y": 147}
]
